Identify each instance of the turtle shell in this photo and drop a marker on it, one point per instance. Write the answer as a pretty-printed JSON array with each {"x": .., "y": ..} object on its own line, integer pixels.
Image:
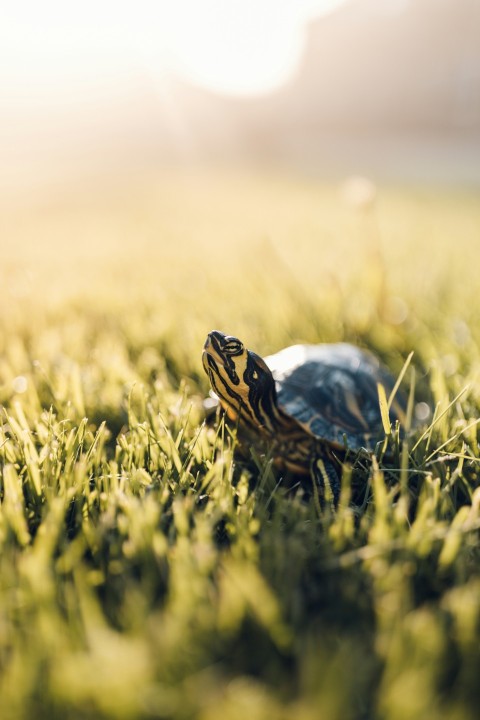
[{"x": 331, "y": 391}]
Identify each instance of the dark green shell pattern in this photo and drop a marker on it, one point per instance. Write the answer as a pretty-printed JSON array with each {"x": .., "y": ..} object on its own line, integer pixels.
[{"x": 331, "y": 390}]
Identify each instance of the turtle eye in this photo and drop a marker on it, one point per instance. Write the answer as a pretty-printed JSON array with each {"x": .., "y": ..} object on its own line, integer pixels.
[{"x": 233, "y": 347}]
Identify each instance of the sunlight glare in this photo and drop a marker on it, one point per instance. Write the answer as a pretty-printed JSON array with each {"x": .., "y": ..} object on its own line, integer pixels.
[
  {"x": 227, "y": 46},
  {"x": 240, "y": 47}
]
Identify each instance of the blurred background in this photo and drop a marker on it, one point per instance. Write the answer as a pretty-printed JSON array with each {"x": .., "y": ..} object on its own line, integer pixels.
[
  {"x": 166, "y": 153},
  {"x": 389, "y": 89}
]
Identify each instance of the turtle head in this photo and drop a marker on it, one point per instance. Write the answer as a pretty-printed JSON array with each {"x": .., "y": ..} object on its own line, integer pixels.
[{"x": 241, "y": 379}]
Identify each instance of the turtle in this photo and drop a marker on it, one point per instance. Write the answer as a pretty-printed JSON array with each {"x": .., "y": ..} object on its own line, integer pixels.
[{"x": 314, "y": 403}]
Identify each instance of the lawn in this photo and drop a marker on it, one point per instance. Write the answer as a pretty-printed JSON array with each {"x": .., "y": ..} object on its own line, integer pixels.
[{"x": 145, "y": 572}]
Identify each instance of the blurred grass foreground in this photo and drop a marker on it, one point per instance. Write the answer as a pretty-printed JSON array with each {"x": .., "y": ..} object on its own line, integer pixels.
[{"x": 143, "y": 572}]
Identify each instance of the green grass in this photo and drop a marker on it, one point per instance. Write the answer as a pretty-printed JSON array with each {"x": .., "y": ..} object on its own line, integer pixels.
[{"x": 144, "y": 573}]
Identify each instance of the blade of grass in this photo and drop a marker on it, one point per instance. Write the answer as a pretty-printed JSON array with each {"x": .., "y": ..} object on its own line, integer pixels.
[
  {"x": 437, "y": 418},
  {"x": 391, "y": 397},
  {"x": 450, "y": 439},
  {"x": 384, "y": 407}
]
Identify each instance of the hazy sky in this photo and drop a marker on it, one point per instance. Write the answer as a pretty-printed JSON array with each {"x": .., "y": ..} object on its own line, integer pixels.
[{"x": 234, "y": 46}]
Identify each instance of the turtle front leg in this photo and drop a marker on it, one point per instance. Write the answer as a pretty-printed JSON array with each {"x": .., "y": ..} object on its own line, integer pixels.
[{"x": 325, "y": 474}]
